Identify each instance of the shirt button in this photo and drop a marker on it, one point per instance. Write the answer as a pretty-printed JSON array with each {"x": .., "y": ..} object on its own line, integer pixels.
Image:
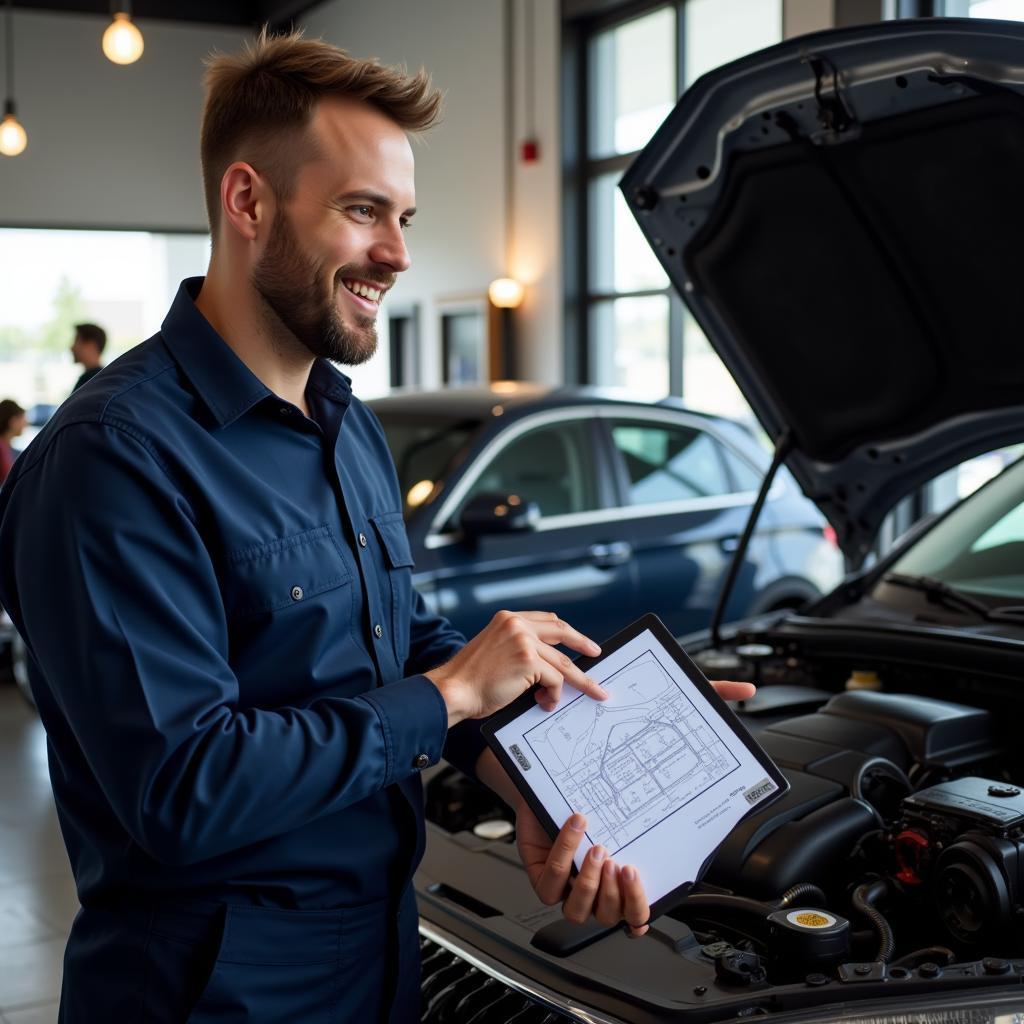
[
  {"x": 377, "y": 631},
  {"x": 420, "y": 761},
  {"x": 296, "y": 593},
  {"x": 362, "y": 540}
]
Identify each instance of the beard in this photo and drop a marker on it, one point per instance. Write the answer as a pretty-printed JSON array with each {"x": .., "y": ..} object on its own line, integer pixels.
[{"x": 290, "y": 283}]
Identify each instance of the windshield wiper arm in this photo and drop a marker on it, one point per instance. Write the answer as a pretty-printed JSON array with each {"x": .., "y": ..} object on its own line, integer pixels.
[
  {"x": 1007, "y": 613},
  {"x": 940, "y": 592}
]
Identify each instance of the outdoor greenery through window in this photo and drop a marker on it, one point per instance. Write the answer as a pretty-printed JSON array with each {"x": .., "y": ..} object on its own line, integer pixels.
[
  {"x": 634, "y": 329},
  {"x": 51, "y": 280}
]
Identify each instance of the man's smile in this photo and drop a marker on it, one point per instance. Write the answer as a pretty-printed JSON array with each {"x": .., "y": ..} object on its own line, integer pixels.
[{"x": 365, "y": 295}]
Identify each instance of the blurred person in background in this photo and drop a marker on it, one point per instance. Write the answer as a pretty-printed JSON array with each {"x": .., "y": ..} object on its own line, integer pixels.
[
  {"x": 12, "y": 423},
  {"x": 87, "y": 349}
]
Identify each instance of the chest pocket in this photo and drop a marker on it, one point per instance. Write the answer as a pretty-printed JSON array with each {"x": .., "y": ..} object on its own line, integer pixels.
[
  {"x": 283, "y": 573},
  {"x": 390, "y": 528}
]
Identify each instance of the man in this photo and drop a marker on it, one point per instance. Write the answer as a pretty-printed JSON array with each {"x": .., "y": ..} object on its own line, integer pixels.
[
  {"x": 212, "y": 576},
  {"x": 87, "y": 348}
]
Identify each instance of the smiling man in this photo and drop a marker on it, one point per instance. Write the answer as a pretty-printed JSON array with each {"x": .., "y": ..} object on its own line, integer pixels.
[{"x": 205, "y": 554}]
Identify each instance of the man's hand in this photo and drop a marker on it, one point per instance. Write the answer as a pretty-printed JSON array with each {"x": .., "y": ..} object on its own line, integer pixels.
[
  {"x": 512, "y": 653},
  {"x": 608, "y": 891}
]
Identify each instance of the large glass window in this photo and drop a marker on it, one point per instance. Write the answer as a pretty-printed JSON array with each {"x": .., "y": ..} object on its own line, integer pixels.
[
  {"x": 51, "y": 280},
  {"x": 631, "y": 328},
  {"x": 1001, "y": 10}
]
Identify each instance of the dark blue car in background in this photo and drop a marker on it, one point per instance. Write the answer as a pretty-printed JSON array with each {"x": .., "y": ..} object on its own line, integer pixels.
[{"x": 597, "y": 508}]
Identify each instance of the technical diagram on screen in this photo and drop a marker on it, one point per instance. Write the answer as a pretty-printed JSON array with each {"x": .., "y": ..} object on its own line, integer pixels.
[{"x": 662, "y": 769}]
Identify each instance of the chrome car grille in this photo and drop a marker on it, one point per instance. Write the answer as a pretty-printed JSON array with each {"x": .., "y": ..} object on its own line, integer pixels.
[{"x": 455, "y": 992}]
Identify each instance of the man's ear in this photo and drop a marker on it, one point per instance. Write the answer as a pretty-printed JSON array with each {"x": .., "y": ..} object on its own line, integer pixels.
[{"x": 245, "y": 199}]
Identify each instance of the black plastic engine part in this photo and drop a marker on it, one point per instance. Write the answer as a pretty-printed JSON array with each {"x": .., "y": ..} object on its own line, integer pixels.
[
  {"x": 807, "y": 848},
  {"x": 971, "y": 832},
  {"x": 805, "y": 941},
  {"x": 934, "y": 732},
  {"x": 736, "y": 967},
  {"x": 846, "y": 766}
]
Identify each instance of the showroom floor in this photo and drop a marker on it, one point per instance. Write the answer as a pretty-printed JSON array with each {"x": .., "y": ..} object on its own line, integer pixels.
[{"x": 37, "y": 896}]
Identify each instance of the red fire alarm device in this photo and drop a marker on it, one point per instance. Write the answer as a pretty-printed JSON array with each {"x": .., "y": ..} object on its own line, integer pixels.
[{"x": 529, "y": 151}]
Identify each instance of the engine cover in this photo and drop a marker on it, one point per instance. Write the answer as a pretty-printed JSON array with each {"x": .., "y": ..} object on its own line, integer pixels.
[{"x": 846, "y": 765}]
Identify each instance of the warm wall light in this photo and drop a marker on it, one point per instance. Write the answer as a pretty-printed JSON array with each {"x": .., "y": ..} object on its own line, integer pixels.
[
  {"x": 122, "y": 41},
  {"x": 505, "y": 293},
  {"x": 13, "y": 139}
]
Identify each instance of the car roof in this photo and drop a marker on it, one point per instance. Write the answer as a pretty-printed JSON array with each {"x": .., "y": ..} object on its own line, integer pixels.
[{"x": 521, "y": 397}]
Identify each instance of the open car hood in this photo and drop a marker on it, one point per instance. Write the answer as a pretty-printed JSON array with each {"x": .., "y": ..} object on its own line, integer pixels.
[{"x": 844, "y": 216}]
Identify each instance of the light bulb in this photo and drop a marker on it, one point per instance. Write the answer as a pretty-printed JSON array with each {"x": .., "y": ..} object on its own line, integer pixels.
[
  {"x": 13, "y": 139},
  {"x": 122, "y": 41},
  {"x": 505, "y": 292}
]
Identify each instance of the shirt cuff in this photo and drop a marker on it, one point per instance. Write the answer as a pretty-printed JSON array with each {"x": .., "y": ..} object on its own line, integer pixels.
[
  {"x": 414, "y": 722},
  {"x": 464, "y": 745}
]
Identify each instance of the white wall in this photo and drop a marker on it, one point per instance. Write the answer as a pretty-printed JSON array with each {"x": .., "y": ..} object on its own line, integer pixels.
[
  {"x": 108, "y": 146},
  {"x": 458, "y": 238}
]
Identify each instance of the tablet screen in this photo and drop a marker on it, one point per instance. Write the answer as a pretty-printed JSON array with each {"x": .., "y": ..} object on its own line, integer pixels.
[{"x": 660, "y": 772}]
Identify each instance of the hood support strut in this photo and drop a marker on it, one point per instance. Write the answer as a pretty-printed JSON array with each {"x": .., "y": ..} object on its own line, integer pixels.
[{"x": 782, "y": 448}]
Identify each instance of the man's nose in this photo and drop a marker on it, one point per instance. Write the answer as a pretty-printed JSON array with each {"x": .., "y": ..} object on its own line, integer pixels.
[{"x": 390, "y": 248}]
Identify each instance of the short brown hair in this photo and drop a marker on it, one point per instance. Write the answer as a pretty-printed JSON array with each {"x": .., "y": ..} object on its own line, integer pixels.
[
  {"x": 259, "y": 103},
  {"x": 9, "y": 410},
  {"x": 93, "y": 333}
]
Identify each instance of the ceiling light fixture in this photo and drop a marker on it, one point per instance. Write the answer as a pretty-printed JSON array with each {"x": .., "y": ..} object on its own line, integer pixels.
[
  {"x": 122, "y": 41},
  {"x": 13, "y": 138}
]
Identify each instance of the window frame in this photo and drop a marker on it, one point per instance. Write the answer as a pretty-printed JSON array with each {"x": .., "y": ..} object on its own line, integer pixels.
[{"x": 580, "y": 170}]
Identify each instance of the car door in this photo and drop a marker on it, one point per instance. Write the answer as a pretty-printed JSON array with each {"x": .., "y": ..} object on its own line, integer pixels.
[
  {"x": 571, "y": 562},
  {"x": 679, "y": 515}
]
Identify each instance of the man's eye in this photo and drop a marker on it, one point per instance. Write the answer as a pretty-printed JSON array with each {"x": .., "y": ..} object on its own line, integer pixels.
[
  {"x": 362, "y": 211},
  {"x": 406, "y": 223}
]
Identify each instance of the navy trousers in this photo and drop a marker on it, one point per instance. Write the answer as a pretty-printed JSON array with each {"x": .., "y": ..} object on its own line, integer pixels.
[{"x": 208, "y": 963}]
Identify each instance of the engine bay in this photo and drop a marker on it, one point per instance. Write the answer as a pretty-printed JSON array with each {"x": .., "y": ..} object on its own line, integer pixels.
[{"x": 896, "y": 856}]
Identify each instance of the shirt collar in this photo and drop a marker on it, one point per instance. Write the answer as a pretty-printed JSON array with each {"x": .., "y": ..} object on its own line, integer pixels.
[{"x": 226, "y": 385}]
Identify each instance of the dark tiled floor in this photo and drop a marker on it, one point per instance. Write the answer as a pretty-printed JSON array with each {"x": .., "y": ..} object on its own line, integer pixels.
[{"x": 37, "y": 897}]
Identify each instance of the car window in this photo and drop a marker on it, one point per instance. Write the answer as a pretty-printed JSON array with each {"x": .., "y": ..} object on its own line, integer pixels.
[
  {"x": 550, "y": 465},
  {"x": 666, "y": 462},
  {"x": 423, "y": 447},
  {"x": 744, "y": 476}
]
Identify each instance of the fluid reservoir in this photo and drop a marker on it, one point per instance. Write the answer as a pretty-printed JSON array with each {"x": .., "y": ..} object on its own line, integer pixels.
[
  {"x": 863, "y": 679},
  {"x": 807, "y": 940}
]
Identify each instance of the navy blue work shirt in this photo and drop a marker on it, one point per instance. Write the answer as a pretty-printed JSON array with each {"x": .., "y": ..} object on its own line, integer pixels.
[{"x": 225, "y": 646}]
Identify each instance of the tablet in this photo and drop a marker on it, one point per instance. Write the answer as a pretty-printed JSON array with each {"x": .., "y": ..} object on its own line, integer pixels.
[{"x": 662, "y": 769}]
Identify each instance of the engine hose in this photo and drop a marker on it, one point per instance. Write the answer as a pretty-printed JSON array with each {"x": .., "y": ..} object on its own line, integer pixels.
[
  {"x": 800, "y": 891},
  {"x": 940, "y": 954},
  {"x": 863, "y": 900}
]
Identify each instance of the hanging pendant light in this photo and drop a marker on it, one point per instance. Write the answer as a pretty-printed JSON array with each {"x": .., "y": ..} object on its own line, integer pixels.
[
  {"x": 13, "y": 138},
  {"x": 122, "y": 41}
]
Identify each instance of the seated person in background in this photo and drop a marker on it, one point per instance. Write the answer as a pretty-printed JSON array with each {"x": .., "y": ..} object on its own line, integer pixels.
[
  {"x": 12, "y": 423},
  {"x": 86, "y": 349}
]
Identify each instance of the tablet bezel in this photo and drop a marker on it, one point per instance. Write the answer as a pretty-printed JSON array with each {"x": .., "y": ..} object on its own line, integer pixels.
[{"x": 526, "y": 701}]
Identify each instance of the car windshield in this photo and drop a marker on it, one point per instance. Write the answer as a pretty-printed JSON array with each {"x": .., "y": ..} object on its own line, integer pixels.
[
  {"x": 979, "y": 547},
  {"x": 423, "y": 446}
]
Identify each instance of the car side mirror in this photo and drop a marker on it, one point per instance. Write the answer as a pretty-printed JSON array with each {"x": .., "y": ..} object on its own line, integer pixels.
[{"x": 493, "y": 513}]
